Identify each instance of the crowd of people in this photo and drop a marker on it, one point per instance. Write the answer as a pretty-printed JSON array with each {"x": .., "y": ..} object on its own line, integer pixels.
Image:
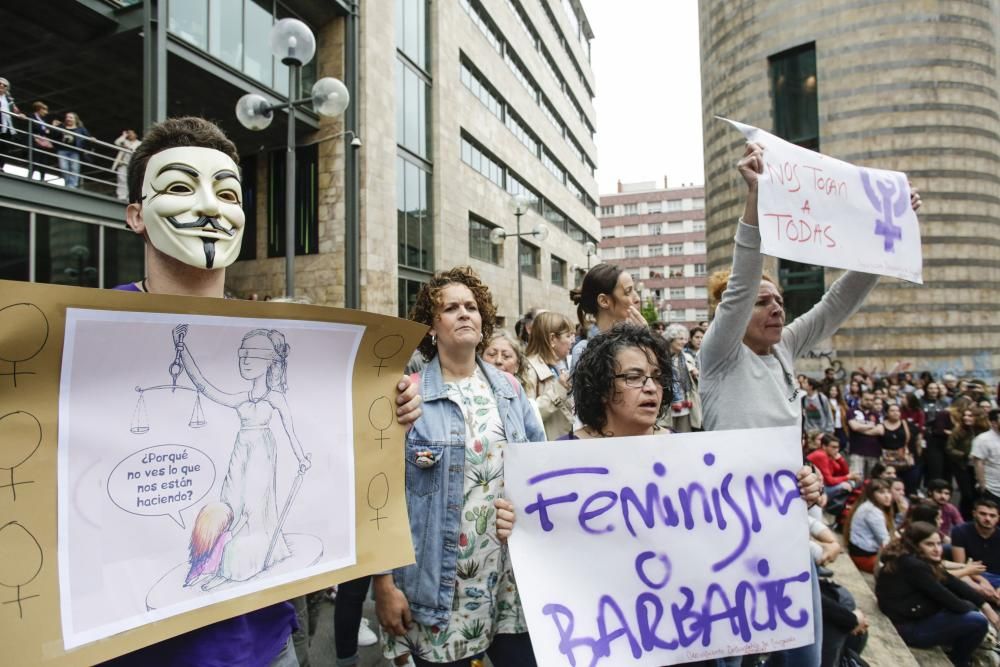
[
  {"x": 883, "y": 453},
  {"x": 60, "y": 145}
]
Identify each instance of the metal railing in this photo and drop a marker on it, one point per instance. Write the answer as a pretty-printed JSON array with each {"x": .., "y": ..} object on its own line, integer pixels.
[{"x": 81, "y": 162}]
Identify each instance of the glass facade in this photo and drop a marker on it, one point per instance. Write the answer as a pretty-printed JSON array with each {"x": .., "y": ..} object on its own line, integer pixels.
[
  {"x": 15, "y": 243},
  {"x": 123, "y": 256},
  {"x": 796, "y": 119},
  {"x": 414, "y": 169},
  {"x": 237, "y": 33}
]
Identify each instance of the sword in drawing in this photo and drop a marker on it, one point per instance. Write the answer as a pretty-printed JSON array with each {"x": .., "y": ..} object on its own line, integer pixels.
[{"x": 296, "y": 484}]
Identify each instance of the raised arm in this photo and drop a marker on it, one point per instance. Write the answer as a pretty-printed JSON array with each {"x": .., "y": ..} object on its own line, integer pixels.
[
  {"x": 210, "y": 391},
  {"x": 724, "y": 337}
]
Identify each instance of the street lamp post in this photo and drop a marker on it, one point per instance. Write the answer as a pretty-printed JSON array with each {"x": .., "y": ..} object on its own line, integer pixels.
[
  {"x": 293, "y": 43},
  {"x": 591, "y": 250},
  {"x": 519, "y": 207}
]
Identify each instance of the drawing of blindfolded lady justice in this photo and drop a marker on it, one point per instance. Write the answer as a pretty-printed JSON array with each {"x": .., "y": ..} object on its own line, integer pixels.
[{"x": 240, "y": 536}]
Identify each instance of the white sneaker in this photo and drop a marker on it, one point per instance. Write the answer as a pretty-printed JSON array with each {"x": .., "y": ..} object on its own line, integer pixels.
[{"x": 366, "y": 636}]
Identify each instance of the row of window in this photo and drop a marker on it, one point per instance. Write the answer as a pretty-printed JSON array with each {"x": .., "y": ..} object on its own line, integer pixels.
[
  {"x": 574, "y": 21},
  {"x": 657, "y": 250},
  {"x": 237, "y": 32},
  {"x": 653, "y": 229},
  {"x": 645, "y": 208},
  {"x": 697, "y": 270},
  {"x": 492, "y": 168},
  {"x": 496, "y": 39},
  {"x": 491, "y": 99},
  {"x": 550, "y": 63},
  {"x": 566, "y": 48},
  {"x": 529, "y": 255}
]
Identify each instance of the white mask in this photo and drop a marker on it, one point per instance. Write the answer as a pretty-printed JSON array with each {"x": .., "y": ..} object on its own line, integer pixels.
[{"x": 191, "y": 206}]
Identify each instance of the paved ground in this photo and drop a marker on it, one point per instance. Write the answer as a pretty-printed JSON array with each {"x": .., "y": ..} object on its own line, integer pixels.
[{"x": 322, "y": 652}]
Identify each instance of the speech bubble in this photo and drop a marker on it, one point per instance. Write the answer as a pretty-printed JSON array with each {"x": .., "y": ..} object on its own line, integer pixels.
[{"x": 163, "y": 480}]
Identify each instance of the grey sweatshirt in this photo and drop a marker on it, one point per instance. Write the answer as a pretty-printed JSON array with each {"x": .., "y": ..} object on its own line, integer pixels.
[{"x": 742, "y": 389}]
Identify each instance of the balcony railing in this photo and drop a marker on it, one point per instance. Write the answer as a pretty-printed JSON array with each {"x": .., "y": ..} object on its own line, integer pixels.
[{"x": 49, "y": 153}]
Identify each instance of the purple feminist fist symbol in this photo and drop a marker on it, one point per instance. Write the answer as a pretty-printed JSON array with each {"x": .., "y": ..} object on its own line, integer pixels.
[{"x": 890, "y": 201}]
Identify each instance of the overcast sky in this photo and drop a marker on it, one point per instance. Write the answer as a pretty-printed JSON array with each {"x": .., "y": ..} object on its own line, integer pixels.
[{"x": 645, "y": 58}]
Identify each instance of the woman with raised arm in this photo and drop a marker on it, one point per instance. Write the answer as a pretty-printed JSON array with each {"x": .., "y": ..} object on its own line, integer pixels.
[{"x": 748, "y": 355}]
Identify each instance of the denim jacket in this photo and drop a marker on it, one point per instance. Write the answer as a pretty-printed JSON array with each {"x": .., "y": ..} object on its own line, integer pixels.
[{"x": 434, "y": 493}]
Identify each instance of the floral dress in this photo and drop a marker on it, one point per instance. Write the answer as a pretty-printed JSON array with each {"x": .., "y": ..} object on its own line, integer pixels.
[{"x": 486, "y": 601}]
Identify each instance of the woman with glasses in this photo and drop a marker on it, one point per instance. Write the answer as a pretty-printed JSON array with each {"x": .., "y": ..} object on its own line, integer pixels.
[{"x": 618, "y": 383}]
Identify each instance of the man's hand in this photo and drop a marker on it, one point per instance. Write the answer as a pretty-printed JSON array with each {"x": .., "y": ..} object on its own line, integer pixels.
[
  {"x": 408, "y": 402},
  {"x": 810, "y": 486},
  {"x": 505, "y": 518},
  {"x": 391, "y": 607}
]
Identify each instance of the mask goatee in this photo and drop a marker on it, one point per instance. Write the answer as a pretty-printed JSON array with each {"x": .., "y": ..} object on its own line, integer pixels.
[{"x": 209, "y": 252}]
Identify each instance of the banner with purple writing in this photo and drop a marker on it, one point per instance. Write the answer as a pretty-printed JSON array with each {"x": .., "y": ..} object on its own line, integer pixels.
[
  {"x": 819, "y": 210},
  {"x": 663, "y": 549}
]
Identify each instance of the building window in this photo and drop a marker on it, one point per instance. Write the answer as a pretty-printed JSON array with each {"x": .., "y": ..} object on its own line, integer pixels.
[
  {"x": 793, "y": 93},
  {"x": 306, "y": 202},
  {"x": 699, "y": 202},
  {"x": 700, "y": 270},
  {"x": 607, "y": 210},
  {"x": 699, "y": 247},
  {"x": 675, "y": 249},
  {"x": 675, "y": 227},
  {"x": 631, "y": 251},
  {"x": 411, "y": 30},
  {"x": 698, "y": 226},
  {"x": 656, "y": 250},
  {"x": 801, "y": 286},
  {"x": 529, "y": 259},
  {"x": 631, "y": 209},
  {"x": 558, "y": 268},
  {"x": 676, "y": 292},
  {"x": 608, "y": 233},
  {"x": 415, "y": 228},
  {"x": 408, "y": 290},
  {"x": 701, "y": 315},
  {"x": 15, "y": 244},
  {"x": 480, "y": 246},
  {"x": 654, "y": 229},
  {"x": 653, "y": 207},
  {"x": 412, "y": 99},
  {"x": 677, "y": 315},
  {"x": 701, "y": 292},
  {"x": 674, "y": 205},
  {"x": 248, "y": 168}
]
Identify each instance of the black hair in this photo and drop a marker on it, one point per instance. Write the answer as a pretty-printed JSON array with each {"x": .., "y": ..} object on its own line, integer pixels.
[
  {"x": 593, "y": 375},
  {"x": 601, "y": 279},
  {"x": 925, "y": 510},
  {"x": 938, "y": 485},
  {"x": 985, "y": 502},
  {"x": 993, "y": 415}
]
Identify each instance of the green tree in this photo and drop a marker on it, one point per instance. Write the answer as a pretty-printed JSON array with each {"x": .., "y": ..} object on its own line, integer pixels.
[{"x": 649, "y": 312}]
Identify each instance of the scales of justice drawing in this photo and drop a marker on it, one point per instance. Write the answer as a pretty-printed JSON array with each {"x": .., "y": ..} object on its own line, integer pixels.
[{"x": 238, "y": 536}]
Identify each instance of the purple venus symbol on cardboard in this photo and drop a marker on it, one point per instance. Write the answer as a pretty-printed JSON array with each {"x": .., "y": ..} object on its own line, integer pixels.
[{"x": 890, "y": 202}]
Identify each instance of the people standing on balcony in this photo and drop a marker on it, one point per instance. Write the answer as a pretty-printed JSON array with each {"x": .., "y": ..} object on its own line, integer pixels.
[
  {"x": 43, "y": 153},
  {"x": 8, "y": 135},
  {"x": 128, "y": 141},
  {"x": 74, "y": 137}
]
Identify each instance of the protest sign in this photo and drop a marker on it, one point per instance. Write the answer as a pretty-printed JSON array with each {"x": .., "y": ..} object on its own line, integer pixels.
[
  {"x": 176, "y": 461},
  {"x": 819, "y": 210},
  {"x": 659, "y": 550}
]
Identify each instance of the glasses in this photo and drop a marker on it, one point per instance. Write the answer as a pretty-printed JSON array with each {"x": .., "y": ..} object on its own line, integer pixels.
[{"x": 638, "y": 380}]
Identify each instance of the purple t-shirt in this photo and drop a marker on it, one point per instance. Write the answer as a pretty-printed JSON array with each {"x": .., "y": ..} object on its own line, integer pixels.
[{"x": 251, "y": 640}]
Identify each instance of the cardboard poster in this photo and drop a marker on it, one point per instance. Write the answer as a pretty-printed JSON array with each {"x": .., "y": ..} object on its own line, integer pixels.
[
  {"x": 819, "y": 210},
  {"x": 661, "y": 550},
  {"x": 168, "y": 462}
]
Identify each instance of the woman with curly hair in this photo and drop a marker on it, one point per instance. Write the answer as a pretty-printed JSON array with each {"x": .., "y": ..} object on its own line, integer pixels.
[
  {"x": 459, "y": 599},
  {"x": 927, "y": 604},
  {"x": 618, "y": 383},
  {"x": 546, "y": 380}
]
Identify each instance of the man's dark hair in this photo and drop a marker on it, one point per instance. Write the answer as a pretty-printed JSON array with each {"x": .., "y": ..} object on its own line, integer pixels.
[
  {"x": 938, "y": 485},
  {"x": 986, "y": 502},
  {"x": 175, "y": 133},
  {"x": 994, "y": 415},
  {"x": 594, "y": 373}
]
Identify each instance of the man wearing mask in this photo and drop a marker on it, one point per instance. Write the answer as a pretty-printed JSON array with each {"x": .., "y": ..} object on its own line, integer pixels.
[{"x": 185, "y": 199}]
